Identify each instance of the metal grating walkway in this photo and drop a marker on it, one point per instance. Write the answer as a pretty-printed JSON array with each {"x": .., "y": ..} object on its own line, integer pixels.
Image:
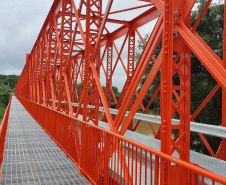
[{"x": 31, "y": 157}]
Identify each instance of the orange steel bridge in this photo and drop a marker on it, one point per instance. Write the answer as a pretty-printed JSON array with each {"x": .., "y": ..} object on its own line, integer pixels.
[{"x": 76, "y": 45}]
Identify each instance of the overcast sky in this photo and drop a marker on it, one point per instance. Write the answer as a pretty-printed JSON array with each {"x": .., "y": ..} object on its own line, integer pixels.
[{"x": 22, "y": 20}]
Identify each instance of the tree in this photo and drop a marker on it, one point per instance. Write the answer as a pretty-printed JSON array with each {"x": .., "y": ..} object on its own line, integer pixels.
[
  {"x": 7, "y": 86},
  {"x": 116, "y": 93},
  {"x": 4, "y": 99},
  {"x": 211, "y": 30},
  {"x": 9, "y": 80}
]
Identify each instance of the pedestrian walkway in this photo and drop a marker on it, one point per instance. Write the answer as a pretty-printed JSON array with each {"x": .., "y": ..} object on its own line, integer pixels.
[{"x": 31, "y": 156}]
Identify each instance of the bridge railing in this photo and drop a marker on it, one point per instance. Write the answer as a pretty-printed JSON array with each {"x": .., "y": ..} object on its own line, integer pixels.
[
  {"x": 108, "y": 158},
  {"x": 3, "y": 129}
]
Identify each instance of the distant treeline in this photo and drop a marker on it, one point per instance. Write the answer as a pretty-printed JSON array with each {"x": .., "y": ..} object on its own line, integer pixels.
[{"x": 7, "y": 86}]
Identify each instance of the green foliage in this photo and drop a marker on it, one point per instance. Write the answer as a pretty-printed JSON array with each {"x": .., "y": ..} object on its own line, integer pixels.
[
  {"x": 9, "y": 80},
  {"x": 116, "y": 93},
  {"x": 4, "y": 98},
  {"x": 7, "y": 86},
  {"x": 115, "y": 90},
  {"x": 2, "y": 112},
  {"x": 211, "y": 30},
  {"x": 156, "y": 103}
]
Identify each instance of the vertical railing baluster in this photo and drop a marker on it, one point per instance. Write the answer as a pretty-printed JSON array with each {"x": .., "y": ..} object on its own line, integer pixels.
[
  {"x": 136, "y": 168},
  {"x": 156, "y": 170},
  {"x": 114, "y": 149},
  {"x": 124, "y": 151},
  {"x": 145, "y": 167},
  {"x": 110, "y": 158},
  {"x": 128, "y": 149},
  {"x": 184, "y": 175},
  {"x": 202, "y": 180},
  {"x": 140, "y": 163},
  {"x": 117, "y": 146},
  {"x": 151, "y": 168},
  {"x": 121, "y": 161},
  {"x": 132, "y": 161},
  {"x": 177, "y": 176}
]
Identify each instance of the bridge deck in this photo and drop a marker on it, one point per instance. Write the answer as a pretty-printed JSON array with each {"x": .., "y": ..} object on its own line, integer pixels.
[
  {"x": 31, "y": 157},
  {"x": 209, "y": 163}
]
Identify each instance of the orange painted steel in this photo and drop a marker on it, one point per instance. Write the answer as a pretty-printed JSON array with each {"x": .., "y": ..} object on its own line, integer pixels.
[
  {"x": 3, "y": 130},
  {"x": 67, "y": 53},
  {"x": 100, "y": 156}
]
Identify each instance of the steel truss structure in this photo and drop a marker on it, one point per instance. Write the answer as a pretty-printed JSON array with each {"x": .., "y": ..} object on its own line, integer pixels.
[{"x": 74, "y": 45}]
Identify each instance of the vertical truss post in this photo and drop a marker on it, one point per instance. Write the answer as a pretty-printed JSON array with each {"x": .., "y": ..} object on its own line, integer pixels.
[
  {"x": 166, "y": 85},
  {"x": 130, "y": 66},
  {"x": 109, "y": 73},
  {"x": 181, "y": 102},
  {"x": 53, "y": 62},
  {"x": 44, "y": 68},
  {"x": 38, "y": 73},
  {"x": 61, "y": 46},
  {"x": 32, "y": 76},
  {"x": 95, "y": 24},
  {"x": 74, "y": 81},
  {"x": 28, "y": 67},
  {"x": 35, "y": 84},
  {"x": 29, "y": 62},
  {"x": 41, "y": 53},
  {"x": 87, "y": 60},
  {"x": 83, "y": 60},
  {"x": 47, "y": 70}
]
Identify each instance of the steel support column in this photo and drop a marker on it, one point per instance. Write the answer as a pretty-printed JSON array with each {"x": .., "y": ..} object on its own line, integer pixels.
[{"x": 166, "y": 86}]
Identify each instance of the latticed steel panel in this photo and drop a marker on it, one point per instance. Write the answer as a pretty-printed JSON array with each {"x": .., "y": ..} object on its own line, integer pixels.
[{"x": 31, "y": 156}]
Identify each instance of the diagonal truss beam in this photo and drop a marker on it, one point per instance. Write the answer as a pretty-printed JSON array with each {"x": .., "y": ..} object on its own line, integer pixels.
[
  {"x": 140, "y": 69},
  {"x": 209, "y": 61}
]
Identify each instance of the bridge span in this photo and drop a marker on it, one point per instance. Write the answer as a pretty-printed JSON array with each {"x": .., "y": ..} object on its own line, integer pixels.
[
  {"x": 67, "y": 82},
  {"x": 31, "y": 156}
]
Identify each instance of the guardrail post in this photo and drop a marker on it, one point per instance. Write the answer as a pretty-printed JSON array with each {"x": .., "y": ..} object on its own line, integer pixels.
[
  {"x": 83, "y": 145},
  {"x": 106, "y": 160}
]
